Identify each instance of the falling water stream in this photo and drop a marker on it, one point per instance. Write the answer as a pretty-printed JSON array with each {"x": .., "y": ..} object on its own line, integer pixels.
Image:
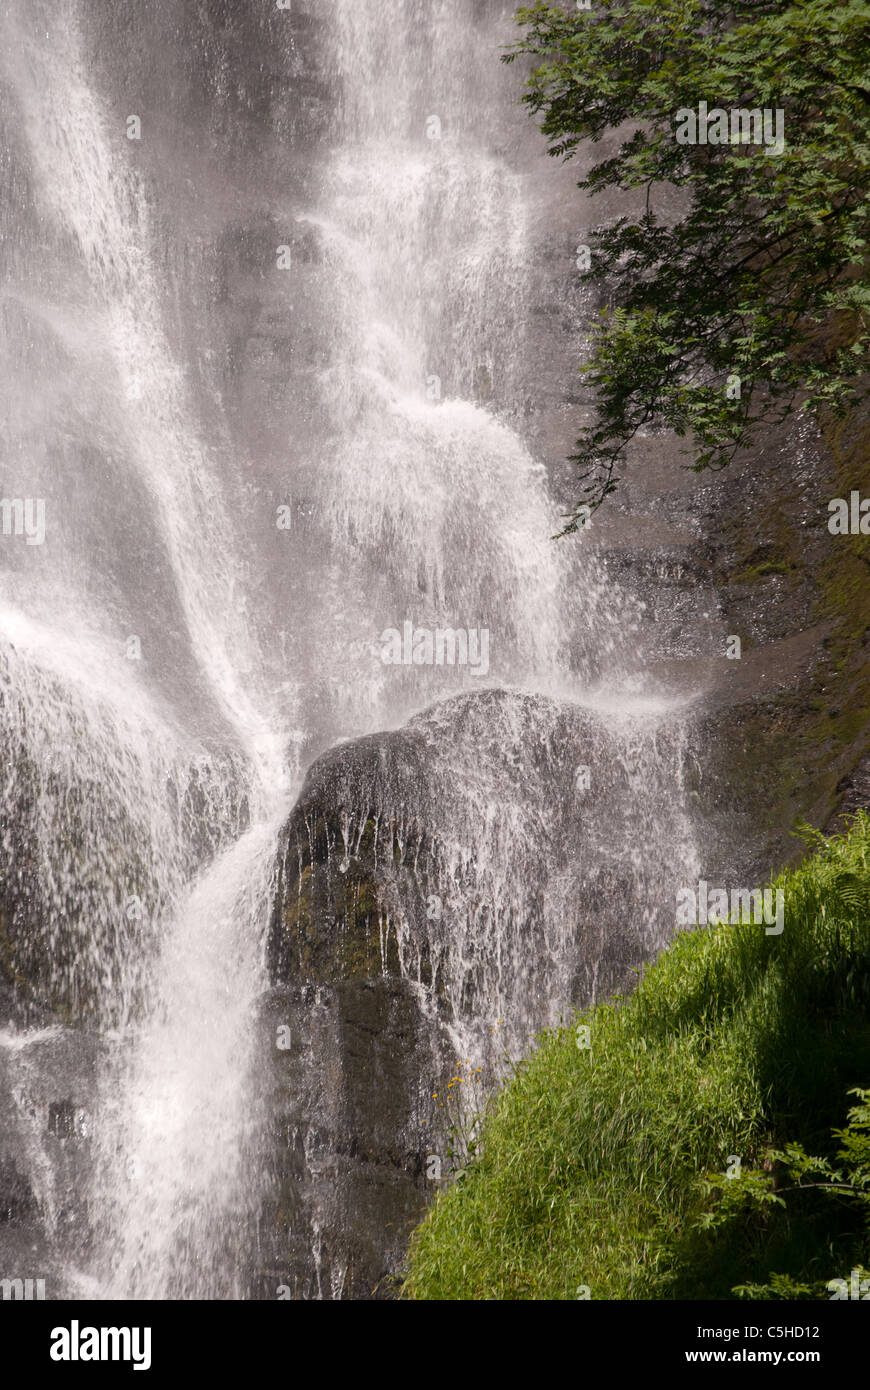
[{"x": 167, "y": 674}]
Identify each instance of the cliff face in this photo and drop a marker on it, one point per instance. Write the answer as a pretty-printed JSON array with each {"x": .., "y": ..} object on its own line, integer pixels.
[
  {"x": 809, "y": 591},
  {"x": 779, "y": 735}
]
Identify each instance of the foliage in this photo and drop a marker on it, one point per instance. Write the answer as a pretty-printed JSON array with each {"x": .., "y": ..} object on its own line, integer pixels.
[
  {"x": 761, "y": 277},
  {"x": 596, "y": 1166},
  {"x": 464, "y": 1109},
  {"x": 790, "y": 1171}
]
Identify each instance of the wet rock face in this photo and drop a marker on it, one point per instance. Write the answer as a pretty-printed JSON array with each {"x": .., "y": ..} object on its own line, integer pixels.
[
  {"x": 357, "y": 1052},
  {"x": 496, "y": 848},
  {"x": 78, "y": 906},
  {"x": 786, "y": 728},
  {"x": 443, "y": 890},
  {"x": 48, "y": 1104},
  {"x": 352, "y": 1130}
]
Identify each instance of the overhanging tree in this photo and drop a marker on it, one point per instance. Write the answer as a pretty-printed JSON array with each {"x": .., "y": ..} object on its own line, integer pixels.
[{"x": 754, "y": 302}]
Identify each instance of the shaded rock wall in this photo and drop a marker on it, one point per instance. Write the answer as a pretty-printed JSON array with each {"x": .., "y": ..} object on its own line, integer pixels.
[
  {"x": 443, "y": 890},
  {"x": 48, "y": 1100}
]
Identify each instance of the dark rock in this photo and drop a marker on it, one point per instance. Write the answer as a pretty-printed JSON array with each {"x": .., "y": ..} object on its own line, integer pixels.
[{"x": 444, "y": 889}]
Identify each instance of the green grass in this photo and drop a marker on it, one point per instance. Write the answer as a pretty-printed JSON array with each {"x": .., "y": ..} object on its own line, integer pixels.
[{"x": 733, "y": 1040}]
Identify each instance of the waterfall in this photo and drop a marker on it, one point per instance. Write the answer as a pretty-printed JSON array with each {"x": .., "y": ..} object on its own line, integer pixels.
[
  {"x": 176, "y": 1096},
  {"x": 172, "y": 662}
]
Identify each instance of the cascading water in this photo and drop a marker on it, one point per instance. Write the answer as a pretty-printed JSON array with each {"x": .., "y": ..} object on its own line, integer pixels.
[
  {"x": 172, "y": 661},
  {"x": 176, "y": 1095}
]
